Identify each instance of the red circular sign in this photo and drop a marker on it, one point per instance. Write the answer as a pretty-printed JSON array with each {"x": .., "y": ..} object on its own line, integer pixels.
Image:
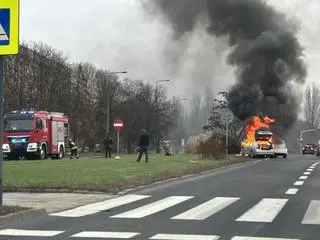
[{"x": 118, "y": 125}]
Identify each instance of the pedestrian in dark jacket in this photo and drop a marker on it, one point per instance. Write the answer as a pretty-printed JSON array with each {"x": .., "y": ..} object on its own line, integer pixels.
[
  {"x": 73, "y": 149},
  {"x": 108, "y": 142},
  {"x": 143, "y": 145}
]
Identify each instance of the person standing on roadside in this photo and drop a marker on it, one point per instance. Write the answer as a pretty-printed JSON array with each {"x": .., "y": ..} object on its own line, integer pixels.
[
  {"x": 143, "y": 145},
  {"x": 108, "y": 142}
]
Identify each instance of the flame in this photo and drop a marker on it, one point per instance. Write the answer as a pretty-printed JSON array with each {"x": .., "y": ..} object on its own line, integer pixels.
[{"x": 254, "y": 124}]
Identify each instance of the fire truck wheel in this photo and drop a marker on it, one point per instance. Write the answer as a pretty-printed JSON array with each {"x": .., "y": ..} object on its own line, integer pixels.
[
  {"x": 61, "y": 153},
  {"x": 43, "y": 153}
]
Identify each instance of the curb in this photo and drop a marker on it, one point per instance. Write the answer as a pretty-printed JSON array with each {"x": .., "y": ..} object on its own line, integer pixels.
[
  {"x": 184, "y": 177},
  {"x": 22, "y": 215}
]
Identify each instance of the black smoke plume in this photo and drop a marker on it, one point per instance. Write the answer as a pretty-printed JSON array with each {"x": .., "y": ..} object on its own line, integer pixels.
[{"x": 264, "y": 49}]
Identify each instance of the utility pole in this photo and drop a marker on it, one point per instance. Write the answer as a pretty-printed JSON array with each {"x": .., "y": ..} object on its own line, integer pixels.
[
  {"x": 158, "y": 115},
  {"x": 227, "y": 134},
  {"x": 108, "y": 99}
]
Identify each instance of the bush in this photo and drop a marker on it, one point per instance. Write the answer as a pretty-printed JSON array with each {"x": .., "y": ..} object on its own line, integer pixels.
[
  {"x": 212, "y": 147},
  {"x": 207, "y": 145}
]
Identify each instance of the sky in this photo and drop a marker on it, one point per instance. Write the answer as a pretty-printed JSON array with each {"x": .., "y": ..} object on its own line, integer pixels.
[{"x": 118, "y": 36}]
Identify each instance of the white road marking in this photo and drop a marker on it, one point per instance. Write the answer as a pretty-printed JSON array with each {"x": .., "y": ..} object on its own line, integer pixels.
[
  {"x": 184, "y": 237},
  {"x": 29, "y": 233},
  {"x": 264, "y": 211},
  {"x": 100, "y": 206},
  {"x": 298, "y": 183},
  {"x": 309, "y": 170},
  {"x": 261, "y": 238},
  {"x": 117, "y": 235},
  {"x": 292, "y": 191},
  {"x": 312, "y": 167},
  {"x": 306, "y": 173},
  {"x": 206, "y": 209},
  {"x": 303, "y": 177},
  {"x": 312, "y": 215},
  {"x": 154, "y": 207}
]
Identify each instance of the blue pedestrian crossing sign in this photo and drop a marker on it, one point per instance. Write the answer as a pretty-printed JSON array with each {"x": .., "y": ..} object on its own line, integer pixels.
[{"x": 9, "y": 27}]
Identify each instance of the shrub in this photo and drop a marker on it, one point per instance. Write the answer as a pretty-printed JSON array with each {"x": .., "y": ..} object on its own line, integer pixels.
[
  {"x": 207, "y": 145},
  {"x": 211, "y": 147}
]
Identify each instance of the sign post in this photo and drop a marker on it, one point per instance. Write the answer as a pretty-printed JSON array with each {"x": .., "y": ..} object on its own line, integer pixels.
[
  {"x": 9, "y": 45},
  {"x": 118, "y": 125}
]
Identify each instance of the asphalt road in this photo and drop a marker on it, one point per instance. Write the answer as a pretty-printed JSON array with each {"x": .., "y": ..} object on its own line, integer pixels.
[{"x": 267, "y": 200}]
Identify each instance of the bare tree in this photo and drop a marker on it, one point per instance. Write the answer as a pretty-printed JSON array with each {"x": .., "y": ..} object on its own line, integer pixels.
[
  {"x": 41, "y": 77},
  {"x": 312, "y": 105}
]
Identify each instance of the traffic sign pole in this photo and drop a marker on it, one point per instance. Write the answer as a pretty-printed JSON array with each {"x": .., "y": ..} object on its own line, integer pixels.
[
  {"x": 1, "y": 125},
  {"x": 9, "y": 45},
  {"x": 118, "y": 144},
  {"x": 118, "y": 125}
]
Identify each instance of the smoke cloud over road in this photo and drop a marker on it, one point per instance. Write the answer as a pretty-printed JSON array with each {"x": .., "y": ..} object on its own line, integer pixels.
[{"x": 263, "y": 48}]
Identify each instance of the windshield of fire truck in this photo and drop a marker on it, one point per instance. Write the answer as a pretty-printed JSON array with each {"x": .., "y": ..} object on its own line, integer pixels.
[{"x": 17, "y": 125}]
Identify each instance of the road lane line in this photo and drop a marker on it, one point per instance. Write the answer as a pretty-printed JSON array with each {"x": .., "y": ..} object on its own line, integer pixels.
[
  {"x": 292, "y": 191},
  {"x": 261, "y": 238},
  {"x": 206, "y": 209},
  {"x": 154, "y": 207},
  {"x": 312, "y": 215},
  {"x": 116, "y": 235},
  {"x": 303, "y": 177},
  {"x": 309, "y": 170},
  {"x": 298, "y": 183},
  {"x": 29, "y": 233},
  {"x": 184, "y": 237},
  {"x": 264, "y": 211},
  {"x": 306, "y": 173},
  {"x": 100, "y": 206}
]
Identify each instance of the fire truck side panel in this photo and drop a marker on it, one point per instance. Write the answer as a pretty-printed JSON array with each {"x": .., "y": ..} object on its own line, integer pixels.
[{"x": 58, "y": 137}]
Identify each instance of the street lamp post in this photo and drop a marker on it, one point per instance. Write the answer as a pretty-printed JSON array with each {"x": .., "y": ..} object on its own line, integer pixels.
[
  {"x": 108, "y": 100},
  {"x": 301, "y": 135},
  {"x": 158, "y": 117}
]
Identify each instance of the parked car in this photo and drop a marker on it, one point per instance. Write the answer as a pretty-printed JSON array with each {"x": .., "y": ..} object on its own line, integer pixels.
[
  {"x": 318, "y": 149},
  {"x": 309, "y": 149},
  {"x": 280, "y": 148}
]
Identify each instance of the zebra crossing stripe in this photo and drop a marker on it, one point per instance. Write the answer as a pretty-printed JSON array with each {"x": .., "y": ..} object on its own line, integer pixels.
[
  {"x": 264, "y": 211},
  {"x": 292, "y": 191},
  {"x": 261, "y": 238},
  {"x": 154, "y": 207},
  {"x": 29, "y": 233},
  {"x": 312, "y": 215},
  {"x": 116, "y": 235},
  {"x": 184, "y": 237},
  {"x": 100, "y": 206},
  {"x": 206, "y": 209}
]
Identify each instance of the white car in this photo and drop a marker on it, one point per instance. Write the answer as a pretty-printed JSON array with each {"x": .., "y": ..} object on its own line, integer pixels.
[
  {"x": 280, "y": 148},
  {"x": 261, "y": 147}
]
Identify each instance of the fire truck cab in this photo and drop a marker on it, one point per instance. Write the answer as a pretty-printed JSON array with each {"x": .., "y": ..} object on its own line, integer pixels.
[{"x": 35, "y": 135}]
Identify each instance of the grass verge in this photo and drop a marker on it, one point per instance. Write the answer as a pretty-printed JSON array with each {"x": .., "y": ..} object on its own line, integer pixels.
[
  {"x": 106, "y": 175},
  {"x": 5, "y": 210}
]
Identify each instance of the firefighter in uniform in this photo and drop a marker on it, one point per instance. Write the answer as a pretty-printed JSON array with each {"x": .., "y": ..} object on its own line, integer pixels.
[{"x": 73, "y": 148}]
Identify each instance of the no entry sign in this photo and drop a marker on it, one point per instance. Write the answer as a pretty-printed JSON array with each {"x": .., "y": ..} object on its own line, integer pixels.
[{"x": 118, "y": 125}]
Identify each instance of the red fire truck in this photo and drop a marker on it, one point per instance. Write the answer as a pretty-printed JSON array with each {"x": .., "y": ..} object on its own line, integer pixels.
[{"x": 35, "y": 135}]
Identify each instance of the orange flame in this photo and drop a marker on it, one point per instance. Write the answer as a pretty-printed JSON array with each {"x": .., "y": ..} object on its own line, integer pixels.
[{"x": 254, "y": 124}]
